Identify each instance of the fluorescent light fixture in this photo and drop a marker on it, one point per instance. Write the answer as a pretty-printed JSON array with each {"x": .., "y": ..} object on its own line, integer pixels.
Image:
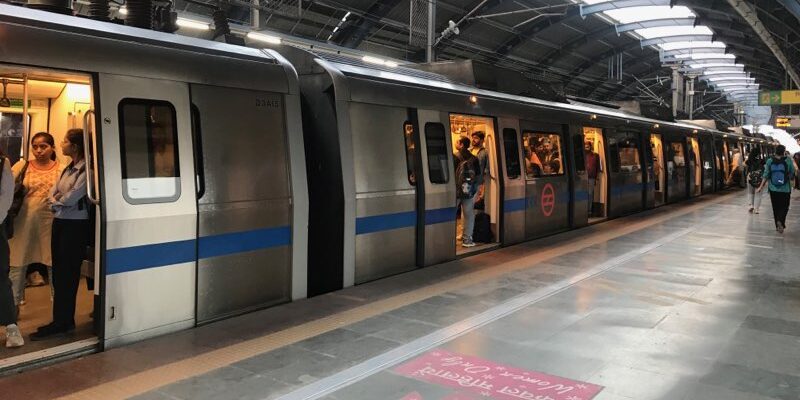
[
  {"x": 345, "y": 16},
  {"x": 192, "y": 24},
  {"x": 390, "y": 64},
  {"x": 335, "y": 28},
  {"x": 263, "y": 38},
  {"x": 123, "y": 10}
]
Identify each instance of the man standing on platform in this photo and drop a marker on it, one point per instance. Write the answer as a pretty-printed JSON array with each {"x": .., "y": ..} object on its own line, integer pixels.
[{"x": 778, "y": 174}]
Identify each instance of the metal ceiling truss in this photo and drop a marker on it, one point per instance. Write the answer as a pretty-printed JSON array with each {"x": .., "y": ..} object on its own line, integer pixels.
[
  {"x": 676, "y": 38},
  {"x": 654, "y": 23}
]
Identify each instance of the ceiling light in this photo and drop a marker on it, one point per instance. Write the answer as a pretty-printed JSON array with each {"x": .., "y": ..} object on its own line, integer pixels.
[
  {"x": 379, "y": 61},
  {"x": 123, "y": 10},
  {"x": 192, "y": 24},
  {"x": 264, "y": 38}
]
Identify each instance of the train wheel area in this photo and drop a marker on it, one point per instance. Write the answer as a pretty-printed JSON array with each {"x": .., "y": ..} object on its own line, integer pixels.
[{"x": 689, "y": 301}]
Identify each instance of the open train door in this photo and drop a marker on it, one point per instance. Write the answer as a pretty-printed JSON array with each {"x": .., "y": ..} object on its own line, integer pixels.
[{"x": 149, "y": 252}]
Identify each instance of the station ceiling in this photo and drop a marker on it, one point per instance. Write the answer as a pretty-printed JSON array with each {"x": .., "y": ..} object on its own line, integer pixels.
[{"x": 608, "y": 55}]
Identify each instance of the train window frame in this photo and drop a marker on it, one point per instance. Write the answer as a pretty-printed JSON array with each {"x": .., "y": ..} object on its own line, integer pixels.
[
  {"x": 560, "y": 147},
  {"x": 577, "y": 151},
  {"x": 444, "y": 178},
  {"x": 511, "y": 155},
  {"x": 156, "y": 191},
  {"x": 408, "y": 135},
  {"x": 632, "y": 167}
]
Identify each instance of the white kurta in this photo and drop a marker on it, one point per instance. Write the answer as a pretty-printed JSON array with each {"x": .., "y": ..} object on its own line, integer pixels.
[{"x": 33, "y": 225}]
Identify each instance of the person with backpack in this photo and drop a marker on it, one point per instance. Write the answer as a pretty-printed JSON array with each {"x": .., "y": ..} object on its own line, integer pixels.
[
  {"x": 8, "y": 310},
  {"x": 71, "y": 236},
  {"x": 755, "y": 171},
  {"x": 778, "y": 173},
  {"x": 467, "y": 166},
  {"x": 30, "y": 213}
]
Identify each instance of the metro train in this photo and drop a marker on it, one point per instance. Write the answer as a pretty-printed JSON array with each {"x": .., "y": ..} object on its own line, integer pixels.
[{"x": 228, "y": 179}]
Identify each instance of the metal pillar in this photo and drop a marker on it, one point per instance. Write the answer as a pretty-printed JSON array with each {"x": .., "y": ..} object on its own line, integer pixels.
[
  {"x": 690, "y": 96},
  {"x": 429, "y": 55},
  {"x": 677, "y": 83},
  {"x": 255, "y": 15}
]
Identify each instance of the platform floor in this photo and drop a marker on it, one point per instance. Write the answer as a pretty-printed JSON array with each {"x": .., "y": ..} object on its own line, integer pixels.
[{"x": 693, "y": 301}]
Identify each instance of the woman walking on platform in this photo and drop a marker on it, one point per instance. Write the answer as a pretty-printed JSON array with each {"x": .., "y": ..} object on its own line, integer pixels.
[
  {"x": 755, "y": 172},
  {"x": 778, "y": 174}
]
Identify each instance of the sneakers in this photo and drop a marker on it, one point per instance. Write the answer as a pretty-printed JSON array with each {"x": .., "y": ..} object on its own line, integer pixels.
[
  {"x": 779, "y": 227},
  {"x": 14, "y": 336},
  {"x": 750, "y": 210},
  {"x": 467, "y": 243},
  {"x": 756, "y": 211}
]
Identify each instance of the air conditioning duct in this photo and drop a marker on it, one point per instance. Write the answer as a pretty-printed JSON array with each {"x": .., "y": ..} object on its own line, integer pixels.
[{"x": 140, "y": 13}]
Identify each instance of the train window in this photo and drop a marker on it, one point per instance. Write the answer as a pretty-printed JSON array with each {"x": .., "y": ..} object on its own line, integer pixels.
[
  {"x": 149, "y": 149},
  {"x": 676, "y": 154},
  {"x": 628, "y": 150},
  {"x": 511, "y": 148},
  {"x": 408, "y": 131},
  {"x": 436, "y": 144},
  {"x": 542, "y": 154}
]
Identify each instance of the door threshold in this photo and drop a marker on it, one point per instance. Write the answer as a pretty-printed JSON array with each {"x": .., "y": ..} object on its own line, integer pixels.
[
  {"x": 471, "y": 251},
  {"x": 52, "y": 355}
]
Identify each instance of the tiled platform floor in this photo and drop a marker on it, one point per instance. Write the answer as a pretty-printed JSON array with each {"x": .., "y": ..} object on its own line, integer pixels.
[{"x": 695, "y": 301}]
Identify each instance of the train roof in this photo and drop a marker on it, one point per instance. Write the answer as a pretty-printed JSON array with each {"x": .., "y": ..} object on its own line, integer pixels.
[
  {"x": 355, "y": 67},
  {"x": 49, "y": 20}
]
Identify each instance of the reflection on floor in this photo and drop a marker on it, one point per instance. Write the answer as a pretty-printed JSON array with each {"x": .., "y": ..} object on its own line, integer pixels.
[
  {"x": 594, "y": 220},
  {"x": 38, "y": 310}
]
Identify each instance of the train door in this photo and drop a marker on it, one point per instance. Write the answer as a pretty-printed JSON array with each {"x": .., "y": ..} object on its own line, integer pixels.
[
  {"x": 45, "y": 100},
  {"x": 243, "y": 197},
  {"x": 547, "y": 185},
  {"x": 676, "y": 170},
  {"x": 659, "y": 172},
  {"x": 707, "y": 161},
  {"x": 720, "y": 164},
  {"x": 436, "y": 208},
  {"x": 594, "y": 155},
  {"x": 150, "y": 207},
  {"x": 485, "y": 223},
  {"x": 513, "y": 220},
  {"x": 695, "y": 167},
  {"x": 626, "y": 177}
]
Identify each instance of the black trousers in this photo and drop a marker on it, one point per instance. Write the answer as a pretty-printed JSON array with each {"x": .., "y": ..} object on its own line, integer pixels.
[
  {"x": 8, "y": 311},
  {"x": 70, "y": 238},
  {"x": 780, "y": 206}
]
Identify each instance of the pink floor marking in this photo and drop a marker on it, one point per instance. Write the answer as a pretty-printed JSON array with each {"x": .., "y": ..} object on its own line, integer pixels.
[{"x": 492, "y": 380}]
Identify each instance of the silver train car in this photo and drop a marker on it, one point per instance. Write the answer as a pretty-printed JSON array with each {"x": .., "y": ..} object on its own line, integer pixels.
[
  {"x": 380, "y": 142},
  {"x": 228, "y": 179},
  {"x": 196, "y": 167}
]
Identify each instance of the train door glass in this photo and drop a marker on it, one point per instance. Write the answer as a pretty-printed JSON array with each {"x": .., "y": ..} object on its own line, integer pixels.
[
  {"x": 657, "y": 147},
  {"x": 57, "y": 102},
  {"x": 676, "y": 171},
  {"x": 697, "y": 167},
  {"x": 485, "y": 225},
  {"x": 595, "y": 158}
]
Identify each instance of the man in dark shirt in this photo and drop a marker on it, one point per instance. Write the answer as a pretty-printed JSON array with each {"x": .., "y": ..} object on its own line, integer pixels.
[
  {"x": 592, "y": 160},
  {"x": 466, "y": 167}
]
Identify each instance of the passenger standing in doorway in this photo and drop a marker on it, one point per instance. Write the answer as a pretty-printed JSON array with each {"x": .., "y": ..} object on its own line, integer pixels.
[
  {"x": 480, "y": 152},
  {"x": 755, "y": 173},
  {"x": 466, "y": 166},
  {"x": 778, "y": 174},
  {"x": 70, "y": 238},
  {"x": 736, "y": 165},
  {"x": 593, "y": 167},
  {"x": 8, "y": 309},
  {"x": 33, "y": 219}
]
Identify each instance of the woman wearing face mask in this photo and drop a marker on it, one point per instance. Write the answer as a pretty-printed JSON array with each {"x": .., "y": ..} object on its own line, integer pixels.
[{"x": 33, "y": 219}]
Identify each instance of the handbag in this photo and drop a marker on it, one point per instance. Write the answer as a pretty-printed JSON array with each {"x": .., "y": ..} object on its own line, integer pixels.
[{"x": 16, "y": 204}]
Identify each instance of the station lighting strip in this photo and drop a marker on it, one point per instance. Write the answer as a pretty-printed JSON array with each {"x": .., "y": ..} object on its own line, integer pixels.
[{"x": 672, "y": 30}]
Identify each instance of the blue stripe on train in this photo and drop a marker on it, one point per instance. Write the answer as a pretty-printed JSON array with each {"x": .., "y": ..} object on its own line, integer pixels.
[
  {"x": 387, "y": 222},
  {"x": 135, "y": 258}
]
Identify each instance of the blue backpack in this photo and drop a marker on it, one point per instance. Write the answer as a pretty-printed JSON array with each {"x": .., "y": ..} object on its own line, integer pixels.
[{"x": 778, "y": 172}]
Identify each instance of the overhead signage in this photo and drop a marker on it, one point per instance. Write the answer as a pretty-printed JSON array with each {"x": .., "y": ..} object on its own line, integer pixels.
[
  {"x": 787, "y": 121},
  {"x": 778, "y": 97}
]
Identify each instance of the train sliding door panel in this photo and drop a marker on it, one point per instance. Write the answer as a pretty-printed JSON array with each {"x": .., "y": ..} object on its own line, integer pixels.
[
  {"x": 707, "y": 159},
  {"x": 677, "y": 170},
  {"x": 440, "y": 192},
  {"x": 513, "y": 182},
  {"x": 547, "y": 194},
  {"x": 385, "y": 194},
  {"x": 244, "y": 201},
  {"x": 151, "y": 212},
  {"x": 627, "y": 186}
]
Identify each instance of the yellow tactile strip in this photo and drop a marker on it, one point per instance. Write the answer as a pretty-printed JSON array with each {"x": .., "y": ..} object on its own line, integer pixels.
[{"x": 145, "y": 381}]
